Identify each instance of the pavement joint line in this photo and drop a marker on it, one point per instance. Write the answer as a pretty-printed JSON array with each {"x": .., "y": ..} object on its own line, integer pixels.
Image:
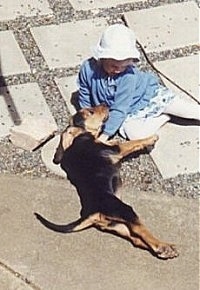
[{"x": 19, "y": 276}]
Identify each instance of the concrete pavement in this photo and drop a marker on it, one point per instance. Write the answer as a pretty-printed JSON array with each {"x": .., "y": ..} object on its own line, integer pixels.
[{"x": 32, "y": 257}]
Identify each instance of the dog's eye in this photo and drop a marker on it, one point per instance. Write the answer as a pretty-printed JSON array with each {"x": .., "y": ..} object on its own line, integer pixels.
[{"x": 91, "y": 112}]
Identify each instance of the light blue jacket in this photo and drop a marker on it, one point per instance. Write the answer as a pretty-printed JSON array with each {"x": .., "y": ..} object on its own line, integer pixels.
[{"x": 124, "y": 93}]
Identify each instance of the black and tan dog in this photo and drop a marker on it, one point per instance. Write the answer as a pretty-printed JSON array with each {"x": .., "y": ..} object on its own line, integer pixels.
[{"x": 93, "y": 167}]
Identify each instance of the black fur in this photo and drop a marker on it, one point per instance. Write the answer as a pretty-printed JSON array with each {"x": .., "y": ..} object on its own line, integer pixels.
[
  {"x": 93, "y": 168},
  {"x": 89, "y": 167}
]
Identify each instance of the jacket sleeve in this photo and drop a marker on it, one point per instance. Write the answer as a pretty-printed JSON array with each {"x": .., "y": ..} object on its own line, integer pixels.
[
  {"x": 84, "y": 79},
  {"x": 121, "y": 106}
]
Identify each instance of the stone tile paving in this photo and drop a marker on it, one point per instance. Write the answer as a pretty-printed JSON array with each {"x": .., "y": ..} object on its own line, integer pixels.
[
  {"x": 12, "y": 59},
  {"x": 95, "y": 4},
  {"x": 184, "y": 71},
  {"x": 47, "y": 156},
  {"x": 177, "y": 151},
  {"x": 68, "y": 88},
  {"x": 79, "y": 35},
  {"x": 19, "y": 102},
  {"x": 174, "y": 25},
  {"x": 179, "y": 143},
  {"x": 10, "y": 9},
  {"x": 40, "y": 28}
]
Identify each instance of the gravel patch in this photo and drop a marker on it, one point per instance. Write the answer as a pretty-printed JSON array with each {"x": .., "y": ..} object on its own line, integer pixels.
[{"x": 138, "y": 171}]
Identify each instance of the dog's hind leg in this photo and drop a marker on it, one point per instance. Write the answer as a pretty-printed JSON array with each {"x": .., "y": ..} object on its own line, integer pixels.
[
  {"x": 75, "y": 226},
  {"x": 142, "y": 238},
  {"x": 121, "y": 228},
  {"x": 161, "y": 249},
  {"x": 123, "y": 231}
]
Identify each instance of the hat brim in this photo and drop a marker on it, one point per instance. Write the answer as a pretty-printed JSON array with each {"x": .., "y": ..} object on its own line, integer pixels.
[{"x": 99, "y": 53}]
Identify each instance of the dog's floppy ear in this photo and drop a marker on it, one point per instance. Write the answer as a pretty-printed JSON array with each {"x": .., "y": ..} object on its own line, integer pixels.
[
  {"x": 66, "y": 140},
  {"x": 59, "y": 152},
  {"x": 78, "y": 120}
]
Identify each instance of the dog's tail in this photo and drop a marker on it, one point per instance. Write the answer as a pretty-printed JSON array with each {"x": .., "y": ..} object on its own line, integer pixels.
[{"x": 75, "y": 226}]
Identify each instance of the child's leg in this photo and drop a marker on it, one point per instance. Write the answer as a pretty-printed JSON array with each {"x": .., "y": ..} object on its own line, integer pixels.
[
  {"x": 138, "y": 128},
  {"x": 134, "y": 129},
  {"x": 183, "y": 108}
]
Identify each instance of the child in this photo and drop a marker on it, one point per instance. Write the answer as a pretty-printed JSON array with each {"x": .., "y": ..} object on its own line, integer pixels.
[{"x": 138, "y": 104}]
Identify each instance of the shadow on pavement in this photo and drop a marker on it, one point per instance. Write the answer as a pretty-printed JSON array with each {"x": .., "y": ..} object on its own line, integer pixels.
[{"x": 5, "y": 93}]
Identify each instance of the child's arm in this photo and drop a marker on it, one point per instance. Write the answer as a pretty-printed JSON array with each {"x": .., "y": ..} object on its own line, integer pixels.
[
  {"x": 121, "y": 107},
  {"x": 84, "y": 82}
]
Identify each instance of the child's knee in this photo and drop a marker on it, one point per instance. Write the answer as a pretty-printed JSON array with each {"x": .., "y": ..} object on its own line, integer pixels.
[{"x": 139, "y": 129}]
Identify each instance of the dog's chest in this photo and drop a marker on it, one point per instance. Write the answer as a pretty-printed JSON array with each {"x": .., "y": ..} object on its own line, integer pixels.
[{"x": 87, "y": 159}]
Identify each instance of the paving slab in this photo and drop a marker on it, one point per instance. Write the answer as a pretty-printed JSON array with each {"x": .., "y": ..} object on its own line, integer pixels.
[
  {"x": 92, "y": 259},
  {"x": 47, "y": 154},
  {"x": 166, "y": 27},
  {"x": 184, "y": 71},
  {"x": 32, "y": 132},
  {"x": 95, "y": 4},
  {"x": 10, "y": 9},
  {"x": 68, "y": 87},
  {"x": 177, "y": 150},
  {"x": 68, "y": 44},
  {"x": 12, "y": 60},
  {"x": 19, "y": 102}
]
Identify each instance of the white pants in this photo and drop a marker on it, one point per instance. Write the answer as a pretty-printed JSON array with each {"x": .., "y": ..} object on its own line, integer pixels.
[{"x": 139, "y": 128}]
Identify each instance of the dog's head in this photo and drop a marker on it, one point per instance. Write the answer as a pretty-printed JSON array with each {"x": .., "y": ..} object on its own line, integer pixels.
[
  {"x": 66, "y": 139},
  {"x": 85, "y": 120},
  {"x": 91, "y": 119}
]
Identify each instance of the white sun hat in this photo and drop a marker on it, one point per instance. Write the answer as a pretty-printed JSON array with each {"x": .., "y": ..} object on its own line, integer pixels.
[{"x": 117, "y": 42}]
